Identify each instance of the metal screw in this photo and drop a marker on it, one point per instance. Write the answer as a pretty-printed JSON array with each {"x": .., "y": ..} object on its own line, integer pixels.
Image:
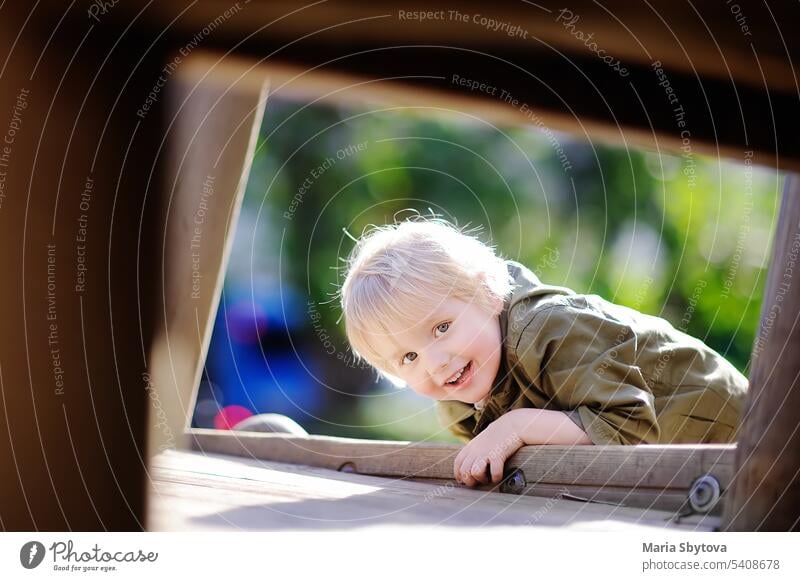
[
  {"x": 704, "y": 493},
  {"x": 514, "y": 482}
]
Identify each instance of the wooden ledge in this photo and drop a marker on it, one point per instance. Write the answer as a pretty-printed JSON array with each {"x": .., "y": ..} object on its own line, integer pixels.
[{"x": 649, "y": 476}]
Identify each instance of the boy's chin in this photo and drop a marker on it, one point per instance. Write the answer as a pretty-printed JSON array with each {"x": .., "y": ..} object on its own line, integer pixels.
[{"x": 471, "y": 399}]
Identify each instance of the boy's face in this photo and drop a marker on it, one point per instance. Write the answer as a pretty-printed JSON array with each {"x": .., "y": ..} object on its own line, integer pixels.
[{"x": 455, "y": 335}]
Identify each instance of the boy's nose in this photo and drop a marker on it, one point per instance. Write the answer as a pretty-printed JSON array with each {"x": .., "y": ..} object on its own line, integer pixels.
[{"x": 437, "y": 364}]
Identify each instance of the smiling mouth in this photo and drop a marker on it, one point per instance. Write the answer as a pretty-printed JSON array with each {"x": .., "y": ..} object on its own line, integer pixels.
[{"x": 460, "y": 376}]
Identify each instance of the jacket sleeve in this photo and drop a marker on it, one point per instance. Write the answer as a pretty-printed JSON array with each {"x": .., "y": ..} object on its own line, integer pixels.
[{"x": 584, "y": 363}]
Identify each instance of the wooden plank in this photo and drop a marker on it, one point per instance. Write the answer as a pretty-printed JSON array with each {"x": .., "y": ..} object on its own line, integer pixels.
[
  {"x": 734, "y": 99},
  {"x": 705, "y": 40},
  {"x": 667, "y": 466},
  {"x": 646, "y": 475},
  {"x": 198, "y": 492},
  {"x": 765, "y": 493},
  {"x": 671, "y": 500},
  {"x": 216, "y": 109}
]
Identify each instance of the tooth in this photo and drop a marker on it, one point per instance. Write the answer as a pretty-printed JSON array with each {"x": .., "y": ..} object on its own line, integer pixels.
[{"x": 458, "y": 376}]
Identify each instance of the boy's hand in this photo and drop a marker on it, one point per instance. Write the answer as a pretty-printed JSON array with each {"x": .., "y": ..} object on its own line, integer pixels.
[{"x": 491, "y": 447}]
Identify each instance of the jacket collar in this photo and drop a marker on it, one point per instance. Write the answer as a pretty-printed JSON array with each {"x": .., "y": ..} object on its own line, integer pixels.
[
  {"x": 504, "y": 389},
  {"x": 500, "y": 394}
]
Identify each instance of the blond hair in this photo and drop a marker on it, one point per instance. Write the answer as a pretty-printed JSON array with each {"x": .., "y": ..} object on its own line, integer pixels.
[{"x": 398, "y": 271}]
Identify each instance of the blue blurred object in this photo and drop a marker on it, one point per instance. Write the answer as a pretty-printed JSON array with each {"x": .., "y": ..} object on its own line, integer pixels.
[{"x": 251, "y": 360}]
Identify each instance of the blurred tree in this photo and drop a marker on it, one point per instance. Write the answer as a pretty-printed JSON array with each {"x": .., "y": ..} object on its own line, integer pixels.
[{"x": 639, "y": 228}]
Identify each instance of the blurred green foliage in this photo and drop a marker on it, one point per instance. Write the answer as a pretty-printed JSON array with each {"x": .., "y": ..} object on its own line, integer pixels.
[{"x": 627, "y": 224}]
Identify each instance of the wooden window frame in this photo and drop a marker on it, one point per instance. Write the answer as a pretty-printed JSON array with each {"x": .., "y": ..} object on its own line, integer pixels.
[{"x": 648, "y": 476}]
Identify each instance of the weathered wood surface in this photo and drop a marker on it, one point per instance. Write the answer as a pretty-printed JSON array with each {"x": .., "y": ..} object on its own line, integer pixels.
[
  {"x": 642, "y": 476},
  {"x": 765, "y": 495},
  {"x": 215, "y": 113},
  {"x": 197, "y": 492}
]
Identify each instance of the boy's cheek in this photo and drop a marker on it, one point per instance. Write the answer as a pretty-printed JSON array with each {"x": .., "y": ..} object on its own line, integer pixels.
[
  {"x": 428, "y": 388},
  {"x": 426, "y": 391}
]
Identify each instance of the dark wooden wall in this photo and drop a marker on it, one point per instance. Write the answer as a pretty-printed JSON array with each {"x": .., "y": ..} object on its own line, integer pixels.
[
  {"x": 731, "y": 72},
  {"x": 73, "y": 401}
]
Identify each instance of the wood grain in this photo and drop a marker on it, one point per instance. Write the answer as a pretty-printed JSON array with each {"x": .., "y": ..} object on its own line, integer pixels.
[
  {"x": 215, "y": 112},
  {"x": 765, "y": 493},
  {"x": 196, "y": 492},
  {"x": 646, "y": 475}
]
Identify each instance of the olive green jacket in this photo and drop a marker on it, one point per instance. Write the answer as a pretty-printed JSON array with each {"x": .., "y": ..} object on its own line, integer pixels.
[{"x": 622, "y": 376}]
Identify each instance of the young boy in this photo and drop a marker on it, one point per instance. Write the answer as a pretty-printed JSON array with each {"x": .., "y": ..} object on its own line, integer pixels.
[{"x": 512, "y": 361}]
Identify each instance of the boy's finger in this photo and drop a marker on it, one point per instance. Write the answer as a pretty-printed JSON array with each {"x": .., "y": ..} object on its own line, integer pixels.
[
  {"x": 463, "y": 473},
  {"x": 497, "y": 470},
  {"x": 478, "y": 470}
]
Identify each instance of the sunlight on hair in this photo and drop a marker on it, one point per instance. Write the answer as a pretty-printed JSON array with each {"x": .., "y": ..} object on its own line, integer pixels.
[{"x": 394, "y": 380}]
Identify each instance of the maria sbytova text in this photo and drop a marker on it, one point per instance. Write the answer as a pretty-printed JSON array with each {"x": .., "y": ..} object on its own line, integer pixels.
[{"x": 686, "y": 547}]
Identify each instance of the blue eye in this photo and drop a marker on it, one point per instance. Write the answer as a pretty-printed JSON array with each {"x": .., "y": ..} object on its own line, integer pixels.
[{"x": 443, "y": 330}]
